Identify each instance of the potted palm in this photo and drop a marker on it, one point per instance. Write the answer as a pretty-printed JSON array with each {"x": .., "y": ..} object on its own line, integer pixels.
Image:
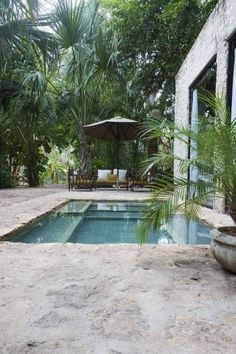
[{"x": 213, "y": 142}]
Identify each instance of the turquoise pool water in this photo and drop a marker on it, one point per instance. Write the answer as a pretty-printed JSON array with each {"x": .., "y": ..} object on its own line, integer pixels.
[{"x": 110, "y": 222}]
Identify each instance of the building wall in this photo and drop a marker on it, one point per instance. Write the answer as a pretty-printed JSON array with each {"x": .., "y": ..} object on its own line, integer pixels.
[{"x": 212, "y": 40}]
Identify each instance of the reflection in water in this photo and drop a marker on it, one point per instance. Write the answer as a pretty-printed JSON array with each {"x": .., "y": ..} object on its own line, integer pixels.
[{"x": 179, "y": 230}]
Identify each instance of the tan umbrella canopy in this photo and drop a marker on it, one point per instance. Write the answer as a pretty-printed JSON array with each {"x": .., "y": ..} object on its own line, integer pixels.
[{"x": 114, "y": 129}]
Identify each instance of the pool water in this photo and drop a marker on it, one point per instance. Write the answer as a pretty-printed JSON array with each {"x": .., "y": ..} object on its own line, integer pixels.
[{"x": 110, "y": 222}]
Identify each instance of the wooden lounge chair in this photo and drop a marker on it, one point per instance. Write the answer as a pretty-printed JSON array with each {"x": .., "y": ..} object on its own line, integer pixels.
[
  {"x": 137, "y": 181},
  {"x": 76, "y": 180}
]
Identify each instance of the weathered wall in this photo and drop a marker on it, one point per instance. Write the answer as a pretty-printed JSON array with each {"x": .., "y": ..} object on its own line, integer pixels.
[{"x": 212, "y": 40}]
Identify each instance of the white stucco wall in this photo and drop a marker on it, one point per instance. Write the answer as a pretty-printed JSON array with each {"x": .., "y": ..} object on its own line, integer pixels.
[{"x": 212, "y": 40}]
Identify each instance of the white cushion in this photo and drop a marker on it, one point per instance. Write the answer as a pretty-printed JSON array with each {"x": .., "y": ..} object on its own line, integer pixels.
[
  {"x": 102, "y": 174},
  {"x": 122, "y": 173}
]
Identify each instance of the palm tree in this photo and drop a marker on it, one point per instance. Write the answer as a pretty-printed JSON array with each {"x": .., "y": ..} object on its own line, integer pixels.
[
  {"x": 32, "y": 112},
  {"x": 89, "y": 62},
  {"x": 27, "y": 56},
  {"x": 214, "y": 143}
]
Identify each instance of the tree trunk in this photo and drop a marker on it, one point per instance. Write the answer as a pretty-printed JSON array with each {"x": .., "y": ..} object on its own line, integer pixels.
[
  {"x": 31, "y": 162},
  {"x": 32, "y": 179},
  {"x": 84, "y": 155},
  {"x": 152, "y": 150}
]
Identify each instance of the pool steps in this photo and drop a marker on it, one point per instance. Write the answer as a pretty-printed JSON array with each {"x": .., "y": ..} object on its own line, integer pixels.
[
  {"x": 80, "y": 208},
  {"x": 90, "y": 214},
  {"x": 69, "y": 231}
]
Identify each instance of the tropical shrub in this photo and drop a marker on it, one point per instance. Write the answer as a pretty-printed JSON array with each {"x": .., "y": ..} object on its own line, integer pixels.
[
  {"x": 214, "y": 142},
  {"x": 58, "y": 162}
]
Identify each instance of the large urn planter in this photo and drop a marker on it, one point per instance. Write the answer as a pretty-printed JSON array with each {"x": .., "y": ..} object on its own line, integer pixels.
[{"x": 223, "y": 247}]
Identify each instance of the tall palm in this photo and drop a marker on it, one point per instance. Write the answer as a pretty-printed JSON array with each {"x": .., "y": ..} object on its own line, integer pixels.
[
  {"x": 29, "y": 111},
  {"x": 89, "y": 62},
  {"x": 27, "y": 56},
  {"x": 214, "y": 141}
]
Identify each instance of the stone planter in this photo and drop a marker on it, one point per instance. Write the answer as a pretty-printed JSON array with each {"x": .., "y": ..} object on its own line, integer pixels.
[{"x": 223, "y": 248}]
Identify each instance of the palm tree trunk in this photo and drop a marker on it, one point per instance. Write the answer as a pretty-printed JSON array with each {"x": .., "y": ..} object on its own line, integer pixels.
[
  {"x": 152, "y": 150},
  {"x": 84, "y": 154}
]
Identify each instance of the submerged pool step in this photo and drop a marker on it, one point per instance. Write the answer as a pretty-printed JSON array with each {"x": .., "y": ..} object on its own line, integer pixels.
[
  {"x": 67, "y": 232},
  {"x": 74, "y": 207},
  {"x": 56, "y": 228},
  {"x": 112, "y": 217},
  {"x": 115, "y": 210},
  {"x": 108, "y": 213}
]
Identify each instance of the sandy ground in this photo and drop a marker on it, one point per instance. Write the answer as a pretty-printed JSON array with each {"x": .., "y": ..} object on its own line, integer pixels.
[
  {"x": 10, "y": 196},
  {"x": 107, "y": 299},
  {"x": 71, "y": 298}
]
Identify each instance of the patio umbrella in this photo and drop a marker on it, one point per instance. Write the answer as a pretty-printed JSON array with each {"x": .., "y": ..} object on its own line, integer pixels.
[{"x": 114, "y": 129}]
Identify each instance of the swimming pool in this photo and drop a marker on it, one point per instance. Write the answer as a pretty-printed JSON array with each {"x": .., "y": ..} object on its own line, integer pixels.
[{"x": 110, "y": 222}]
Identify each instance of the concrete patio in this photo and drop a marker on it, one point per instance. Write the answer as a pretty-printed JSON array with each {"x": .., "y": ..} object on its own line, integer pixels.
[{"x": 106, "y": 299}]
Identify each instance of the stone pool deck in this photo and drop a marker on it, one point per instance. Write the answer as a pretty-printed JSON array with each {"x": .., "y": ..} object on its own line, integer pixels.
[{"x": 107, "y": 299}]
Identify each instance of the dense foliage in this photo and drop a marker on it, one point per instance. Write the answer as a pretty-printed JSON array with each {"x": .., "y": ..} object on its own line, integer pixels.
[
  {"x": 83, "y": 62},
  {"x": 156, "y": 37},
  {"x": 27, "y": 55}
]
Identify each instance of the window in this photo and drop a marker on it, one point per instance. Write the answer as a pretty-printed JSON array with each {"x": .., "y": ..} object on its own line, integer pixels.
[{"x": 206, "y": 81}]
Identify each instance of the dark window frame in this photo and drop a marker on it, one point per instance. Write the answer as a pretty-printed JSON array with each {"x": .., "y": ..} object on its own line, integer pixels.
[
  {"x": 230, "y": 73},
  {"x": 231, "y": 63}
]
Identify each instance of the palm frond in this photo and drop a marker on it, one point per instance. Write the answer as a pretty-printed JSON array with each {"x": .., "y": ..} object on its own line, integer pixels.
[
  {"x": 171, "y": 195},
  {"x": 69, "y": 23},
  {"x": 18, "y": 34}
]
